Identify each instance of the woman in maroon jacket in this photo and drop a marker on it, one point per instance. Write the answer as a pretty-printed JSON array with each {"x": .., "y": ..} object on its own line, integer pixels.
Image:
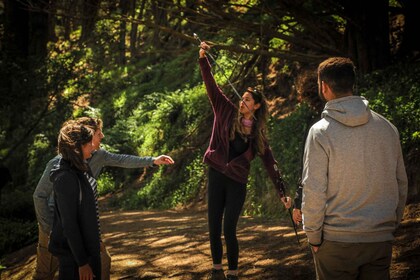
[{"x": 237, "y": 136}]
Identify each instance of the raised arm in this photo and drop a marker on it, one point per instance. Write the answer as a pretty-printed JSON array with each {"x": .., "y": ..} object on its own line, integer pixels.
[{"x": 218, "y": 99}]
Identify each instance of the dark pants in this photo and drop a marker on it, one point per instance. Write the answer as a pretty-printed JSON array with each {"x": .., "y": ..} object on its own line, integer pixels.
[
  {"x": 351, "y": 261},
  {"x": 69, "y": 270},
  {"x": 225, "y": 196}
]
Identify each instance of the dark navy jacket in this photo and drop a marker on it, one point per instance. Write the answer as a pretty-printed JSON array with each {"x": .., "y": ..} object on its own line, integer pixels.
[
  {"x": 75, "y": 228},
  {"x": 217, "y": 154}
]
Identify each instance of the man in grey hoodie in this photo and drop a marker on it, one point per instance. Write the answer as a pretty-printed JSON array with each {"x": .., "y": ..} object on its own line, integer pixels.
[
  {"x": 354, "y": 181},
  {"x": 47, "y": 264}
]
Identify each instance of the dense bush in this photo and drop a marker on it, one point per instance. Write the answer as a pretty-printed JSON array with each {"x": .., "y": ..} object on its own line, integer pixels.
[
  {"x": 395, "y": 93},
  {"x": 287, "y": 138},
  {"x": 17, "y": 221},
  {"x": 16, "y": 233}
]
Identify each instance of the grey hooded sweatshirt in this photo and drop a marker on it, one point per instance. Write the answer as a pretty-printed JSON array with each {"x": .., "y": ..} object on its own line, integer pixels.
[{"x": 354, "y": 179}]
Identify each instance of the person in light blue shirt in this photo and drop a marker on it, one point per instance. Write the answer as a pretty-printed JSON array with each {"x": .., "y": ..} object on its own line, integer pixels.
[{"x": 47, "y": 265}]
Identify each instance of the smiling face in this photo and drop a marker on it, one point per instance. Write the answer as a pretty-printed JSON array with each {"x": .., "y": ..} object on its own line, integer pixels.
[
  {"x": 87, "y": 150},
  {"x": 97, "y": 138},
  {"x": 250, "y": 104}
]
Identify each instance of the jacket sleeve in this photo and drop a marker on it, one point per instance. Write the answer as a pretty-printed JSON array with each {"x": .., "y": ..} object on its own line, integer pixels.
[
  {"x": 273, "y": 171},
  {"x": 314, "y": 183},
  {"x": 42, "y": 196},
  {"x": 67, "y": 195},
  {"x": 103, "y": 158},
  {"x": 218, "y": 99},
  {"x": 125, "y": 161}
]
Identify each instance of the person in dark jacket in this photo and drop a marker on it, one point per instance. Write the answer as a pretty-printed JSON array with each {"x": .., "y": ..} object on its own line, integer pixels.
[
  {"x": 235, "y": 140},
  {"x": 46, "y": 264},
  {"x": 75, "y": 235}
]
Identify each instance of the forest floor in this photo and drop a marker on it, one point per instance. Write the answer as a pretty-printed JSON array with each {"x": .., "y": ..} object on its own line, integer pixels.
[{"x": 173, "y": 244}]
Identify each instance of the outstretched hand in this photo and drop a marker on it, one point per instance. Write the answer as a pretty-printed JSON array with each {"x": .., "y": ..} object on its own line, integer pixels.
[
  {"x": 287, "y": 201},
  {"x": 163, "y": 159}
]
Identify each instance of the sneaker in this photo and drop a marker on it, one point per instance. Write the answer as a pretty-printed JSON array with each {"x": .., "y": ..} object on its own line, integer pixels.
[
  {"x": 216, "y": 274},
  {"x": 232, "y": 277}
]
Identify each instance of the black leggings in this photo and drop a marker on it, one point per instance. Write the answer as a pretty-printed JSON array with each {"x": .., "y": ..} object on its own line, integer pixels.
[{"x": 228, "y": 196}]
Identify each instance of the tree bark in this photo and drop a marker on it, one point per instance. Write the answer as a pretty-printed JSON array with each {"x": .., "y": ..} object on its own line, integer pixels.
[
  {"x": 410, "y": 46},
  {"x": 134, "y": 28},
  {"x": 89, "y": 13},
  {"x": 125, "y": 8},
  {"x": 367, "y": 34},
  {"x": 16, "y": 35}
]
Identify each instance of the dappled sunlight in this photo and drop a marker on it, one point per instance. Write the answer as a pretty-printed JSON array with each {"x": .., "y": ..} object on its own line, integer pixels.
[
  {"x": 293, "y": 259},
  {"x": 264, "y": 262},
  {"x": 178, "y": 259},
  {"x": 247, "y": 237},
  {"x": 175, "y": 245},
  {"x": 169, "y": 240},
  {"x": 128, "y": 260}
]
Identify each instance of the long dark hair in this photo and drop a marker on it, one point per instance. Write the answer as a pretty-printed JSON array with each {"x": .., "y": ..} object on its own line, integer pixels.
[
  {"x": 258, "y": 132},
  {"x": 70, "y": 140}
]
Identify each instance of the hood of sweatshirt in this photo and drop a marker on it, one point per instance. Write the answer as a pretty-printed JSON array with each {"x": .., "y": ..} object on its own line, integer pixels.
[{"x": 350, "y": 110}]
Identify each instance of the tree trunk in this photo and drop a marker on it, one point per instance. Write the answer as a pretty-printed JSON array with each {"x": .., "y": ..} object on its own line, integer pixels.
[
  {"x": 133, "y": 31},
  {"x": 125, "y": 8},
  {"x": 16, "y": 29},
  {"x": 38, "y": 32},
  {"x": 410, "y": 46},
  {"x": 367, "y": 34},
  {"x": 89, "y": 13},
  {"x": 52, "y": 21},
  {"x": 23, "y": 79},
  {"x": 160, "y": 19},
  {"x": 70, "y": 8}
]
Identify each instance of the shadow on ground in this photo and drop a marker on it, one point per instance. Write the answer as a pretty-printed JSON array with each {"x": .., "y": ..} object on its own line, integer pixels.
[{"x": 174, "y": 245}]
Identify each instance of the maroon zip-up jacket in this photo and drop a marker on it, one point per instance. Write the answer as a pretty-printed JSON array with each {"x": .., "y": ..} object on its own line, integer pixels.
[{"x": 218, "y": 151}]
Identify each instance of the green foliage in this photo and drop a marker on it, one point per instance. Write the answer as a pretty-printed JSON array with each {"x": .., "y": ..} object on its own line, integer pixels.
[
  {"x": 154, "y": 103},
  {"x": 395, "y": 93},
  {"x": 286, "y": 138},
  {"x": 15, "y": 234},
  {"x": 17, "y": 221},
  {"x": 106, "y": 183},
  {"x": 154, "y": 194},
  {"x": 17, "y": 204},
  {"x": 39, "y": 153},
  {"x": 262, "y": 199},
  {"x": 195, "y": 180}
]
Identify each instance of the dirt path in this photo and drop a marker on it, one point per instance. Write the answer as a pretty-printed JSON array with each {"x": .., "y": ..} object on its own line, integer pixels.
[{"x": 174, "y": 245}]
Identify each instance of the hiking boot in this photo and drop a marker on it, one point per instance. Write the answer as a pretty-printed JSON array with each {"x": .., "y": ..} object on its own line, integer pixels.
[
  {"x": 232, "y": 277},
  {"x": 216, "y": 274}
]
